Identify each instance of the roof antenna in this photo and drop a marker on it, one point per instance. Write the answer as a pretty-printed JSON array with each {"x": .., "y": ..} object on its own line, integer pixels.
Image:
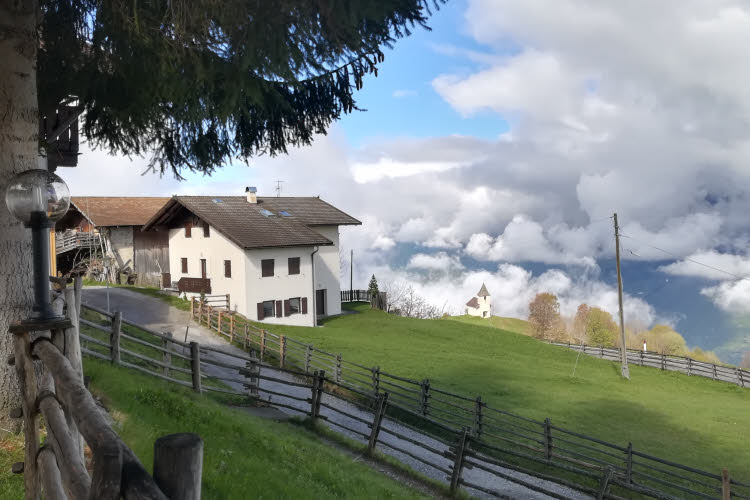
[{"x": 278, "y": 188}]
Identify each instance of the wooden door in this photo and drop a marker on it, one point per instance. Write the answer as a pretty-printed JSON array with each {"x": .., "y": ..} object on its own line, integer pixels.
[
  {"x": 320, "y": 302},
  {"x": 203, "y": 268}
]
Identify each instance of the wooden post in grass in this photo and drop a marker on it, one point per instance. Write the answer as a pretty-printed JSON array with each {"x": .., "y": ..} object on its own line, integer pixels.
[
  {"x": 629, "y": 463},
  {"x": 218, "y": 321},
  {"x": 178, "y": 465},
  {"x": 28, "y": 388},
  {"x": 547, "y": 439},
  {"x": 282, "y": 350},
  {"x": 192, "y": 308},
  {"x": 478, "y": 417},
  {"x": 458, "y": 463},
  {"x": 262, "y": 343},
  {"x": 167, "y": 356},
  {"x": 195, "y": 355},
  {"x": 308, "y": 357},
  {"x": 244, "y": 340},
  {"x": 424, "y": 401},
  {"x": 208, "y": 316},
  {"x": 376, "y": 380},
  {"x": 338, "y": 369},
  {"x": 229, "y": 307},
  {"x": 114, "y": 338},
  {"x": 377, "y": 420},
  {"x": 317, "y": 393},
  {"x": 231, "y": 328},
  {"x": 689, "y": 366},
  {"x": 725, "y": 485}
]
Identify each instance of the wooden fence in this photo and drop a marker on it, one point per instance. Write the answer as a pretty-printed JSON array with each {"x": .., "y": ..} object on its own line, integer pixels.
[
  {"x": 489, "y": 435},
  {"x": 355, "y": 296},
  {"x": 53, "y": 388},
  {"x": 682, "y": 364}
]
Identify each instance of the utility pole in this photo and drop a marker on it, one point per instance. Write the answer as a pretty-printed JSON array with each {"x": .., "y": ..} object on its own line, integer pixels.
[
  {"x": 351, "y": 275},
  {"x": 623, "y": 348}
]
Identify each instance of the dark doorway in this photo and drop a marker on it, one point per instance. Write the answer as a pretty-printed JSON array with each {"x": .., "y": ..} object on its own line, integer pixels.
[
  {"x": 203, "y": 268},
  {"x": 320, "y": 302}
]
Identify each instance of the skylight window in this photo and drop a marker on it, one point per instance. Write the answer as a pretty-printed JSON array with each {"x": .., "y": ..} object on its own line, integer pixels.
[
  {"x": 266, "y": 212},
  {"x": 284, "y": 213},
  {"x": 218, "y": 200}
]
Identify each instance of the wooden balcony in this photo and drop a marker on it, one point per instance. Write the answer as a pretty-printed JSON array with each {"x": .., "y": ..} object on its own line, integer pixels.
[
  {"x": 72, "y": 240},
  {"x": 194, "y": 285}
]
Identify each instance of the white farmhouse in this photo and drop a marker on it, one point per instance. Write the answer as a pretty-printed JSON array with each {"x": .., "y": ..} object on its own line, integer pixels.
[
  {"x": 480, "y": 305},
  {"x": 277, "y": 258}
]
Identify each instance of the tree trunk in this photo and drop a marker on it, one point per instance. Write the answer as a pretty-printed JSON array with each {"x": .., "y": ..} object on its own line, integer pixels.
[{"x": 19, "y": 127}]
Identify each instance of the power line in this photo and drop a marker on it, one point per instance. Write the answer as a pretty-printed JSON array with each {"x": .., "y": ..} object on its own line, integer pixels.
[{"x": 687, "y": 259}]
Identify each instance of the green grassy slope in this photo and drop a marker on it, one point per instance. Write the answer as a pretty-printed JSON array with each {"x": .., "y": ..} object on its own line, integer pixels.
[
  {"x": 509, "y": 324},
  {"x": 692, "y": 420},
  {"x": 244, "y": 456}
]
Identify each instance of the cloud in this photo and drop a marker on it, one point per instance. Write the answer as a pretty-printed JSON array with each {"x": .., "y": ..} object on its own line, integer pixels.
[
  {"x": 402, "y": 93},
  {"x": 440, "y": 261},
  {"x": 717, "y": 265},
  {"x": 730, "y": 296},
  {"x": 387, "y": 167}
]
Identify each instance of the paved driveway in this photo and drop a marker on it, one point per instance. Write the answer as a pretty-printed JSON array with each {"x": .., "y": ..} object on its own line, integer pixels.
[{"x": 158, "y": 315}]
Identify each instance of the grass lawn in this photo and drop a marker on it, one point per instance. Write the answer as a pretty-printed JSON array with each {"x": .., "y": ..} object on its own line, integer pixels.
[
  {"x": 692, "y": 420},
  {"x": 509, "y": 324},
  {"x": 244, "y": 456}
]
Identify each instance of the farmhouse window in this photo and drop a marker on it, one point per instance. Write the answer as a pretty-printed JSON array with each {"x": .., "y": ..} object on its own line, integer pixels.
[
  {"x": 294, "y": 305},
  {"x": 206, "y": 230},
  {"x": 266, "y": 309},
  {"x": 203, "y": 268},
  {"x": 188, "y": 229},
  {"x": 303, "y": 305},
  {"x": 227, "y": 268},
  {"x": 183, "y": 261},
  {"x": 266, "y": 267},
  {"x": 293, "y": 265}
]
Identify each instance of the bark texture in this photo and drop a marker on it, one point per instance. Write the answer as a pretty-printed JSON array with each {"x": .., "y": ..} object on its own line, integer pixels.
[{"x": 19, "y": 126}]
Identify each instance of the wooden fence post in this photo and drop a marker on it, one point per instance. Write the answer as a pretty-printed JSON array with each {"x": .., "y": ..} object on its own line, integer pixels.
[
  {"x": 376, "y": 380},
  {"x": 208, "y": 317},
  {"x": 114, "y": 338},
  {"x": 244, "y": 341},
  {"x": 424, "y": 403},
  {"x": 262, "y": 343},
  {"x": 458, "y": 463},
  {"x": 252, "y": 373},
  {"x": 27, "y": 385},
  {"x": 689, "y": 366},
  {"x": 308, "y": 357},
  {"x": 218, "y": 321},
  {"x": 547, "y": 439},
  {"x": 604, "y": 483},
  {"x": 714, "y": 376},
  {"x": 740, "y": 377},
  {"x": 478, "y": 418},
  {"x": 725, "y": 485},
  {"x": 663, "y": 361},
  {"x": 377, "y": 420},
  {"x": 178, "y": 465},
  {"x": 166, "y": 357},
  {"x": 192, "y": 308},
  {"x": 282, "y": 350},
  {"x": 231, "y": 328},
  {"x": 629, "y": 464},
  {"x": 317, "y": 393},
  {"x": 195, "y": 355},
  {"x": 338, "y": 369},
  {"x": 229, "y": 303}
]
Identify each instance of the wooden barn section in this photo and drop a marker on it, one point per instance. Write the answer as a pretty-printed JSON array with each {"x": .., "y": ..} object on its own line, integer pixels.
[{"x": 115, "y": 223}]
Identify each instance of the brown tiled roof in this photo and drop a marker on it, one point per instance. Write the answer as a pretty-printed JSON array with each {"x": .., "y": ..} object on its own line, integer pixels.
[
  {"x": 473, "y": 303},
  {"x": 241, "y": 222},
  {"x": 483, "y": 292},
  {"x": 118, "y": 210},
  {"x": 312, "y": 211}
]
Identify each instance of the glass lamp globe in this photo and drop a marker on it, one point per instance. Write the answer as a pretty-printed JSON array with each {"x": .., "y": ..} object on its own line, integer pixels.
[{"x": 37, "y": 192}]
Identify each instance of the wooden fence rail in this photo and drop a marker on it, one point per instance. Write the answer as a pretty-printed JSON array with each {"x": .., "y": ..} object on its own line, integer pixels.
[
  {"x": 53, "y": 388},
  {"x": 355, "y": 296},
  {"x": 682, "y": 364},
  {"x": 493, "y": 436}
]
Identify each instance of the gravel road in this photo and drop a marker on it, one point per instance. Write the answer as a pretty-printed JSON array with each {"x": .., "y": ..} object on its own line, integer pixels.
[{"x": 158, "y": 315}]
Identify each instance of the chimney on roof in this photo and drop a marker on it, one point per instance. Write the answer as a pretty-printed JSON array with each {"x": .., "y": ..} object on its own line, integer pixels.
[{"x": 250, "y": 193}]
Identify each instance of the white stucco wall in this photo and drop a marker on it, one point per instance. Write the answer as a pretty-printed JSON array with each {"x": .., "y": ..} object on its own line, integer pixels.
[
  {"x": 485, "y": 306},
  {"x": 327, "y": 269},
  {"x": 281, "y": 286},
  {"x": 215, "y": 249},
  {"x": 121, "y": 246}
]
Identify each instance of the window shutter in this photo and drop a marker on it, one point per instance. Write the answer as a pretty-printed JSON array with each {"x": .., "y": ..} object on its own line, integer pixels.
[
  {"x": 206, "y": 230},
  {"x": 303, "y": 305},
  {"x": 184, "y": 265},
  {"x": 261, "y": 314},
  {"x": 287, "y": 308},
  {"x": 188, "y": 229},
  {"x": 278, "y": 308},
  {"x": 227, "y": 268}
]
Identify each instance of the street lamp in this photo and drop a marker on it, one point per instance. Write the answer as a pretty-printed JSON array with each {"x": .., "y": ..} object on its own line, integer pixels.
[{"x": 39, "y": 198}]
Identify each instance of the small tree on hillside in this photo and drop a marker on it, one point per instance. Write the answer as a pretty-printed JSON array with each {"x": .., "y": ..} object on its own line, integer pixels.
[
  {"x": 579, "y": 323},
  {"x": 372, "y": 288},
  {"x": 662, "y": 338},
  {"x": 600, "y": 328},
  {"x": 544, "y": 316}
]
